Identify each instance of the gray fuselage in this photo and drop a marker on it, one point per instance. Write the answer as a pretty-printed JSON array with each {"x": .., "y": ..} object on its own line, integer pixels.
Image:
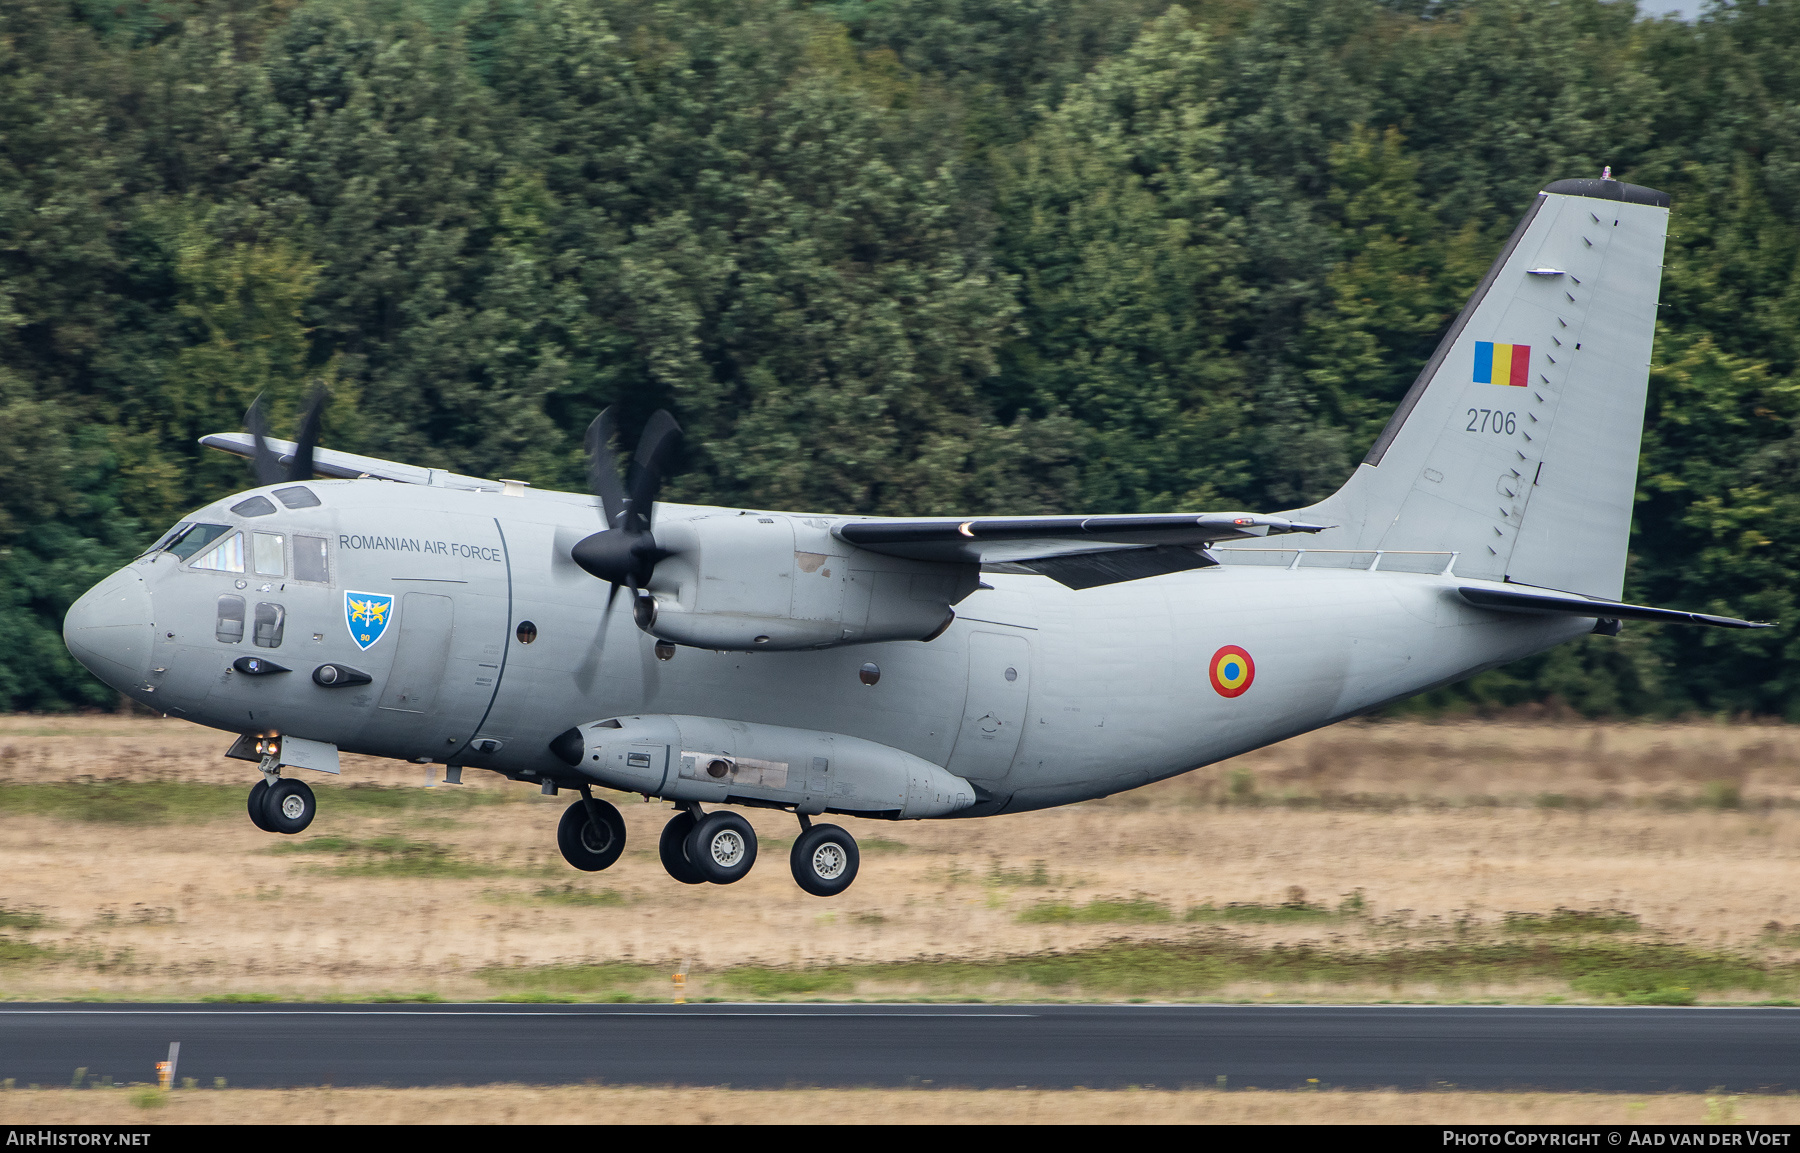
[{"x": 1038, "y": 694}]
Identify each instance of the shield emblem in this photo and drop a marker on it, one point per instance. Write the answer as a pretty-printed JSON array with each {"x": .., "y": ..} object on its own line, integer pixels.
[{"x": 367, "y": 614}]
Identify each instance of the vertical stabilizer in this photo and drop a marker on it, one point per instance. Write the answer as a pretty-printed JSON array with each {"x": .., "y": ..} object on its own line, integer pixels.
[{"x": 1517, "y": 446}]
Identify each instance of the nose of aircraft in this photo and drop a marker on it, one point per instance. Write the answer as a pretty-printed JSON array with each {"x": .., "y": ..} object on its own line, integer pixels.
[{"x": 109, "y": 629}]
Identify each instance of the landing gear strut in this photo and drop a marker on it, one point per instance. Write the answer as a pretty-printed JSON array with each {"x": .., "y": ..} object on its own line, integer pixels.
[{"x": 824, "y": 859}]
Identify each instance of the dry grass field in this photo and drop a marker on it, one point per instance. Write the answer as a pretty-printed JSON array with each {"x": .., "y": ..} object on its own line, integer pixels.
[
  {"x": 584, "y": 1104},
  {"x": 1373, "y": 861}
]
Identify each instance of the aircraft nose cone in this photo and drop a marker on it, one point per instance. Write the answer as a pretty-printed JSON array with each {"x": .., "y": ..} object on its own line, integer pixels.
[{"x": 109, "y": 628}]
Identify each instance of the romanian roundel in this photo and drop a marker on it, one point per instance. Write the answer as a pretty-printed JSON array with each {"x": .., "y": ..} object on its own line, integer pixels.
[{"x": 1232, "y": 671}]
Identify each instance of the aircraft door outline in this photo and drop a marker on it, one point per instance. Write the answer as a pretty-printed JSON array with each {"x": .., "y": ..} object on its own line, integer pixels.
[{"x": 995, "y": 708}]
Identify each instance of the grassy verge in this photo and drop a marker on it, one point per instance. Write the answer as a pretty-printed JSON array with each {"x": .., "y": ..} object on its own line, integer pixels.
[
  {"x": 15, "y": 952},
  {"x": 387, "y": 856},
  {"x": 21, "y": 918},
  {"x": 183, "y": 802},
  {"x": 1574, "y": 921},
  {"x": 1607, "y": 972},
  {"x": 1101, "y": 910},
  {"x": 603, "y": 982}
]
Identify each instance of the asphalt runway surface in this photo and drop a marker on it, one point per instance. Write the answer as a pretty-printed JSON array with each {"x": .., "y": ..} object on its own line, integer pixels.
[{"x": 978, "y": 1046}]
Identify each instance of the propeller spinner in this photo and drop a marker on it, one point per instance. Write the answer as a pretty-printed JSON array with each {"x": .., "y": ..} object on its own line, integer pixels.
[{"x": 625, "y": 552}]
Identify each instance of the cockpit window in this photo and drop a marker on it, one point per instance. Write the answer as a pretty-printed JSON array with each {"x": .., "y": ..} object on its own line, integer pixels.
[
  {"x": 297, "y": 497},
  {"x": 268, "y": 557},
  {"x": 168, "y": 538},
  {"x": 190, "y": 538},
  {"x": 311, "y": 562},
  {"x": 255, "y": 506},
  {"x": 226, "y": 556}
]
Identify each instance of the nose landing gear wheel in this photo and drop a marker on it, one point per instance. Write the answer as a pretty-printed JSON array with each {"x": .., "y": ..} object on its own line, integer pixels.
[
  {"x": 289, "y": 807},
  {"x": 722, "y": 847},
  {"x": 671, "y": 847},
  {"x": 587, "y": 846},
  {"x": 259, "y": 796},
  {"x": 824, "y": 860}
]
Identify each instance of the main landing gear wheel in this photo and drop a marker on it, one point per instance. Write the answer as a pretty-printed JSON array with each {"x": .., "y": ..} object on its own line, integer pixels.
[
  {"x": 289, "y": 806},
  {"x": 824, "y": 860},
  {"x": 672, "y": 848},
  {"x": 722, "y": 847},
  {"x": 587, "y": 846},
  {"x": 259, "y": 796}
]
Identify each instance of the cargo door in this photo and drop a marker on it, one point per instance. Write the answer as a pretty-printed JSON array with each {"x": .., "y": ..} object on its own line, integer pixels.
[{"x": 994, "y": 711}]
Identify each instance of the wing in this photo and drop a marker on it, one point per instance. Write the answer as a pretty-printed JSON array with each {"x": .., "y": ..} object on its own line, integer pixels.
[
  {"x": 1549, "y": 601},
  {"x": 330, "y": 462},
  {"x": 1078, "y": 551}
]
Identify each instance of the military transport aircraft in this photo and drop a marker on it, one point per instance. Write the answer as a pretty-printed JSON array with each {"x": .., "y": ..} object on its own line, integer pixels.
[{"x": 905, "y": 668}]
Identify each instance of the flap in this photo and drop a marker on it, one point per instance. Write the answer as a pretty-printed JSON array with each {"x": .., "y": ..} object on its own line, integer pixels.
[{"x": 997, "y": 539}]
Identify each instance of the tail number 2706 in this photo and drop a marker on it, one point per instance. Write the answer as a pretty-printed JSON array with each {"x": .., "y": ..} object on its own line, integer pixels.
[{"x": 1492, "y": 420}]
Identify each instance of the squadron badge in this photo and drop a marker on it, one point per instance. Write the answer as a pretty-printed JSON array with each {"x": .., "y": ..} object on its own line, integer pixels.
[{"x": 367, "y": 614}]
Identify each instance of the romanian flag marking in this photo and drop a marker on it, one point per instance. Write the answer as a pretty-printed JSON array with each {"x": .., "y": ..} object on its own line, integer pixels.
[{"x": 1501, "y": 363}]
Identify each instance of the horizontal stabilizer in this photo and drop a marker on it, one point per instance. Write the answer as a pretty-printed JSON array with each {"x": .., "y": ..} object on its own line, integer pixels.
[
  {"x": 999, "y": 539},
  {"x": 1545, "y": 601},
  {"x": 348, "y": 465}
]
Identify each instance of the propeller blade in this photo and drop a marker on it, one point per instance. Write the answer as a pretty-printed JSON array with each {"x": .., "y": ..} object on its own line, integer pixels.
[
  {"x": 661, "y": 439},
  {"x": 266, "y": 463},
  {"x": 301, "y": 468},
  {"x": 625, "y": 552},
  {"x": 603, "y": 466}
]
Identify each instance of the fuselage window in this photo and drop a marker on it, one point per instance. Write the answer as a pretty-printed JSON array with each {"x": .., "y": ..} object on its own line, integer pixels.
[
  {"x": 197, "y": 537},
  {"x": 270, "y": 619},
  {"x": 255, "y": 506},
  {"x": 226, "y": 556},
  {"x": 297, "y": 497},
  {"x": 309, "y": 559},
  {"x": 230, "y": 625},
  {"x": 268, "y": 554},
  {"x": 526, "y": 632}
]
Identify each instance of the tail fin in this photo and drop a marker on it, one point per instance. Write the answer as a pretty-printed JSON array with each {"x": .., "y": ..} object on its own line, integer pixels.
[{"x": 1517, "y": 446}]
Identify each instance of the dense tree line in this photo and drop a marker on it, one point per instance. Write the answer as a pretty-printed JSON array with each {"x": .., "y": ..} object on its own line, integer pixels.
[{"x": 888, "y": 256}]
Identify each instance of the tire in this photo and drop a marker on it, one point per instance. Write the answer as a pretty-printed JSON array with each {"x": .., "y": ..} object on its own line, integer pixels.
[
  {"x": 824, "y": 860},
  {"x": 259, "y": 796},
  {"x": 722, "y": 848},
  {"x": 289, "y": 806},
  {"x": 587, "y": 848},
  {"x": 671, "y": 847}
]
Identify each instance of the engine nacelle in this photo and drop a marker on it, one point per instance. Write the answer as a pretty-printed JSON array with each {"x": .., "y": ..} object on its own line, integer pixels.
[
  {"x": 751, "y": 581},
  {"x": 686, "y": 758}
]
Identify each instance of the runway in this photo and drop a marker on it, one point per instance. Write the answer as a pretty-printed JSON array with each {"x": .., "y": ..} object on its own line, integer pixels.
[{"x": 976, "y": 1046}]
